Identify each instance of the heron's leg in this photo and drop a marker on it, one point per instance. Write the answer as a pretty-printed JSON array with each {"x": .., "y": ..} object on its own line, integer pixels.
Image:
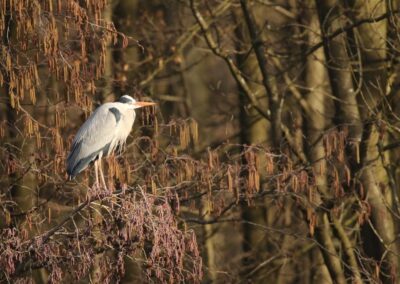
[
  {"x": 96, "y": 173},
  {"x": 102, "y": 175}
]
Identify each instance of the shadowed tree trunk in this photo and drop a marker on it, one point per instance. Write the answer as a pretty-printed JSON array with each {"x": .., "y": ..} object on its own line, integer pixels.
[
  {"x": 347, "y": 116},
  {"x": 372, "y": 44},
  {"x": 339, "y": 69},
  {"x": 393, "y": 91},
  {"x": 255, "y": 129},
  {"x": 363, "y": 160},
  {"x": 14, "y": 189}
]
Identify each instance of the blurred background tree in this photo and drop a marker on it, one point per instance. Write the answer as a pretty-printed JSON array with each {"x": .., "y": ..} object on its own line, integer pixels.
[{"x": 272, "y": 156}]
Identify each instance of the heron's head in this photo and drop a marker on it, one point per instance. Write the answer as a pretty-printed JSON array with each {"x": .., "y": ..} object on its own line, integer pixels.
[{"x": 125, "y": 99}]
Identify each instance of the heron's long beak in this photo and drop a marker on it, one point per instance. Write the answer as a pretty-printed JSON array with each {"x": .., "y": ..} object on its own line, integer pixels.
[{"x": 143, "y": 104}]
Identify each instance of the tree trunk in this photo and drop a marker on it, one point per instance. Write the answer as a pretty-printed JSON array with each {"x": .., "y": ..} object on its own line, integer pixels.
[
  {"x": 372, "y": 38},
  {"x": 255, "y": 130},
  {"x": 317, "y": 120}
]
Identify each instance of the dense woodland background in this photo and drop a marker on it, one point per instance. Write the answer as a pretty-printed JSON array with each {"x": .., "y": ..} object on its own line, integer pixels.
[{"x": 272, "y": 155}]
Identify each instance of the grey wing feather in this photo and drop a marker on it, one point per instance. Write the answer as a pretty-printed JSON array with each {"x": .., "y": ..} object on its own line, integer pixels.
[{"x": 93, "y": 139}]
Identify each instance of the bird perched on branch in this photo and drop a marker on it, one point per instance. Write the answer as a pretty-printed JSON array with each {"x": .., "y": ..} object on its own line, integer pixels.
[{"x": 105, "y": 130}]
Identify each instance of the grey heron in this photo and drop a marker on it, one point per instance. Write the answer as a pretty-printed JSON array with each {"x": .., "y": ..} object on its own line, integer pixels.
[{"x": 106, "y": 129}]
